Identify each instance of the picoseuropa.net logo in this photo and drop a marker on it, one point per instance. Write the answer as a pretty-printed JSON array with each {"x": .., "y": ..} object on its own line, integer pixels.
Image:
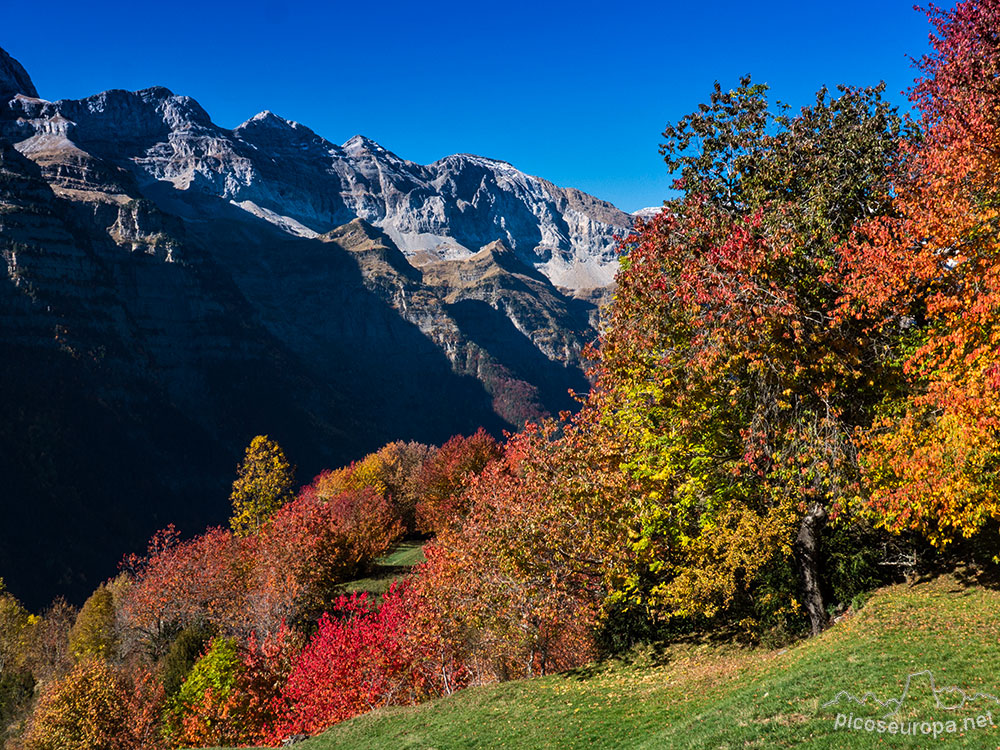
[{"x": 973, "y": 711}]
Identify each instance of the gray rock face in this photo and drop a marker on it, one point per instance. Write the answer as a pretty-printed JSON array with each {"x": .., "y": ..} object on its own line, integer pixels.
[
  {"x": 284, "y": 173},
  {"x": 173, "y": 288},
  {"x": 14, "y": 79}
]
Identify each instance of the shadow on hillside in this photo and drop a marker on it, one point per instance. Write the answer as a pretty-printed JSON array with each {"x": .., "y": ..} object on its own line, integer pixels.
[
  {"x": 666, "y": 650},
  {"x": 494, "y": 332},
  {"x": 975, "y": 575}
]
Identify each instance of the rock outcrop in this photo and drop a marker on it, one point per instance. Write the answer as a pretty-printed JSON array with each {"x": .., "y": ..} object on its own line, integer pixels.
[{"x": 14, "y": 79}]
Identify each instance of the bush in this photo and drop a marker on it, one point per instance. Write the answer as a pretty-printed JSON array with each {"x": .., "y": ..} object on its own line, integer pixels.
[
  {"x": 93, "y": 707},
  {"x": 199, "y": 714},
  {"x": 184, "y": 652}
]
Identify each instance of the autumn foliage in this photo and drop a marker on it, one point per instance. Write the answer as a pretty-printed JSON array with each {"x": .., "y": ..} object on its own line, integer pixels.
[
  {"x": 799, "y": 366},
  {"x": 441, "y": 480},
  {"x": 94, "y": 706},
  {"x": 362, "y": 657},
  {"x": 518, "y": 587},
  {"x": 264, "y": 482},
  {"x": 310, "y": 546},
  {"x": 935, "y": 272}
]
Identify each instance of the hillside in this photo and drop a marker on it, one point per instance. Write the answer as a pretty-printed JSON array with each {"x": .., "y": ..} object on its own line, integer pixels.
[
  {"x": 173, "y": 288},
  {"x": 704, "y": 695}
]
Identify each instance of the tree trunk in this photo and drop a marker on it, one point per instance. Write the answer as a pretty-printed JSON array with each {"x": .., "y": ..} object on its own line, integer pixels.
[{"x": 807, "y": 557}]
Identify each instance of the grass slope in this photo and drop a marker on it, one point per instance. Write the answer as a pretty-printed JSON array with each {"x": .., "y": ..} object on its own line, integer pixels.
[
  {"x": 390, "y": 568},
  {"x": 708, "y": 696}
]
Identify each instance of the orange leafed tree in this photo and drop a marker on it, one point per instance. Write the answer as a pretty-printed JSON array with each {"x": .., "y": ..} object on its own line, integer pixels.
[
  {"x": 932, "y": 460},
  {"x": 517, "y": 588},
  {"x": 94, "y": 706}
]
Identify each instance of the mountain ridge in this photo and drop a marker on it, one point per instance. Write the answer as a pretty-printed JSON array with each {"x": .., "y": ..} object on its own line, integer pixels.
[{"x": 451, "y": 207}]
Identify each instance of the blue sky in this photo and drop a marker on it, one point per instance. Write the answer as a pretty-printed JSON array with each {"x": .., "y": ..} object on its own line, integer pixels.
[{"x": 576, "y": 92}]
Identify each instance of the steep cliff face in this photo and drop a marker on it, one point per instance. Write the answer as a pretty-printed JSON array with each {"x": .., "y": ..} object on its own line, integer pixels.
[
  {"x": 173, "y": 288},
  {"x": 14, "y": 79},
  {"x": 286, "y": 174}
]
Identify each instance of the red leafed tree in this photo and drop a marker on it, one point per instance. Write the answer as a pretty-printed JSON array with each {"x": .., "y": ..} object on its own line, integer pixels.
[
  {"x": 181, "y": 583},
  {"x": 519, "y": 587},
  {"x": 288, "y": 570},
  {"x": 310, "y": 546},
  {"x": 444, "y": 477},
  {"x": 935, "y": 273}
]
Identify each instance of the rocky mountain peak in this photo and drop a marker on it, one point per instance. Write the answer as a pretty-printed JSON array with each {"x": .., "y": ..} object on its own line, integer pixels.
[
  {"x": 359, "y": 144},
  {"x": 14, "y": 79},
  {"x": 267, "y": 118}
]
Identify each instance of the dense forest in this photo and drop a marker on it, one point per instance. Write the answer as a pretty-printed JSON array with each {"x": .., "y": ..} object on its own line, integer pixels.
[{"x": 797, "y": 381}]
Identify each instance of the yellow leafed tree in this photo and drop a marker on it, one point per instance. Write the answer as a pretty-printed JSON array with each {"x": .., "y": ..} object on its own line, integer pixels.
[{"x": 264, "y": 482}]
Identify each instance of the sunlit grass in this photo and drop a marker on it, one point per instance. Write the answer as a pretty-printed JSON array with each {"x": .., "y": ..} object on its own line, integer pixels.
[{"x": 389, "y": 568}]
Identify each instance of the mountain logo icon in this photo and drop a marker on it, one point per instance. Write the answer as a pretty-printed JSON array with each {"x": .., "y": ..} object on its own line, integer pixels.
[{"x": 949, "y": 698}]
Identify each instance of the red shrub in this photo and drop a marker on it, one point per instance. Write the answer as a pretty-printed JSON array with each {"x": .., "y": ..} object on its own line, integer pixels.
[
  {"x": 361, "y": 659},
  {"x": 445, "y": 476}
]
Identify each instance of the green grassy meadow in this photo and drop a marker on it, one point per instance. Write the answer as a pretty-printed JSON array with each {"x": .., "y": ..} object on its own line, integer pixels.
[
  {"x": 390, "y": 568},
  {"x": 695, "y": 695}
]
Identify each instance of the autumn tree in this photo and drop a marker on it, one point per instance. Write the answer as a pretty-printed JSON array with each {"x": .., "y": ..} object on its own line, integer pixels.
[
  {"x": 393, "y": 471},
  {"x": 48, "y": 655},
  {"x": 94, "y": 706},
  {"x": 287, "y": 572},
  {"x": 520, "y": 586},
  {"x": 445, "y": 475},
  {"x": 727, "y": 367},
  {"x": 265, "y": 481},
  {"x": 401, "y": 465},
  {"x": 199, "y": 714},
  {"x": 93, "y": 633},
  {"x": 179, "y": 584},
  {"x": 15, "y": 631},
  {"x": 931, "y": 459},
  {"x": 16, "y": 679},
  {"x": 311, "y": 546}
]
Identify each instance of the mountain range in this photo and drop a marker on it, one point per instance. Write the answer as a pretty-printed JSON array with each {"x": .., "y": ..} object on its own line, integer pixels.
[{"x": 173, "y": 288}]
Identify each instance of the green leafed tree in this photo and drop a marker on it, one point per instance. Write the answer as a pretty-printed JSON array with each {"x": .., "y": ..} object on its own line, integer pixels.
[
  {"x": 93, "y": 633},
  {"x": 265, "y": 481},
  {"x": 728, "y": 366}
]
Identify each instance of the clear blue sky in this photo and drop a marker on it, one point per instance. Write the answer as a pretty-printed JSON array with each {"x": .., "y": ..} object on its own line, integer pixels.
[{"x": 576, "y": 92}]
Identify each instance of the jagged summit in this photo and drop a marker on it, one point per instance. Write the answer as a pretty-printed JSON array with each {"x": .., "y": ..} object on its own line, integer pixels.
[
  {"x": 267, "y": 117},
  {"x": 14, "y": 79},
  {"x": 281, "y": 172},
  {"x": 361, "y": 141}
]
